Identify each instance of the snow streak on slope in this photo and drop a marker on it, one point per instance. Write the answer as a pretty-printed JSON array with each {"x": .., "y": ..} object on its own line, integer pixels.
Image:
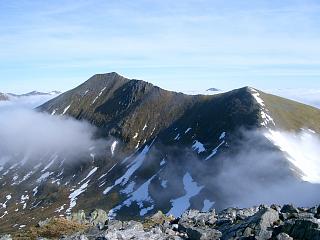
[
  {"x": 302, "y": 151},
  {"x": 99, "y": 95},
  {"x": 198, "y": 146},
  {"x": 181, "y": 204},
  {"x": 66, "y": 109},
  {"x": 140, "y": 196},
  {"x": 130, "y": 171},
  {"x": 74, "y": 196},
  {"x": 266, "y": 118}
]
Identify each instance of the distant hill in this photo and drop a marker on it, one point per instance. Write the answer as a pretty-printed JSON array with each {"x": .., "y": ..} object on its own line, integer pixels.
[
  {"x": 4, "y": 97},
  {"x": 213, "y": 90},
  {"x": 34, "y": 93}
]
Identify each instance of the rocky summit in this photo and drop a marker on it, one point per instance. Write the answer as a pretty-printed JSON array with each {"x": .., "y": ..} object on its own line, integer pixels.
[{"x": 264, "y": 222}]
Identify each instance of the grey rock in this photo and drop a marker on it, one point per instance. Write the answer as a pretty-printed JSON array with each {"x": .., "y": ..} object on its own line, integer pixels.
[
  {"x": 98, "y": 218},
  {"x": 6, "y": 237},
  {"x": 228, "y": 214},
  {"x": 306, "y": 229},
  {"x": 158, "y": 217},
  {"x": 79, "y": 217},
  {"x": 242, "y": 214},
  {"x": 305, "y": 215},
  {"x": 115, "y": 225},
  {"x": 198, "y": 233},
  {"x": 76, "y": 236},
  {"x": 317, "y": 214},
  {"x": 133, "y": 225},
  {"x": 44, "y": 223},
  {"x": 283, "y": 236},
  {"x": 199, "y": 218},
  {"x": 312, "y": 210},
  {"x": 289, "y": 211},
  {"x": 258, "y": 225},
  {"x": 276, "y": 207}
]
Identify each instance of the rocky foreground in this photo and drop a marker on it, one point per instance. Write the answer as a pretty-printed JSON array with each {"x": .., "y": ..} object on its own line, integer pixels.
[{"x": 274, "y": 222}]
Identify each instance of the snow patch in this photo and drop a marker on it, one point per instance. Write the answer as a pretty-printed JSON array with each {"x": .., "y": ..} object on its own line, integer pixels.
[
  {"x": 44, "y": 176},
  {"x": 136, "y": 135},
  {"x": 188, "y": 130},
  {"x": 222, "y": 136},
  {"x": 136, "y": 163},
  {"x": 198, "y": 146},
  {"x": 105, "y": 174},
  {"x": 50, "y": 163},
  {"x": 89, "y": 174},
  {"x": 74, "y": 196},
  {"x": 207, "y": 205},
  {"x": 4, "y": 214},
  {"x": 35, "y": 190},
  {"x": 256, "y": 95},
  {"x": 181, "y": 204},
  {"x": 163, "y": 162},
  {"x": 113, "y": 147},
  {"x": 264, "y": 112},
  {"x": 99, "y": 95},
  {"x": 214, "y": 151},
  {"x": 66, "y": 109},
  {"x": 177, "y": 137},
  {"x": 140, "y": 196},
  {"x": 4, "y": 205},
  {"x": 164, "y": 183}
]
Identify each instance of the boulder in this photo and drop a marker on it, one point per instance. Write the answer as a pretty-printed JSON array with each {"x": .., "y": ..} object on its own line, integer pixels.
[
  {"x": 114, "y": 225},
  {"x": 133, "y": 225},
  {"x": 44, "y": 222},
  {"x": 289, "y": 211},
  {"x": 79, "y": 217},
  {"x": 199, "y": 218},
  {"x": 258, "y": 226},
  {"x": 317, "y": 214},
  {"x": 6, "y": 237},
  {"x": 199, "y": 233},
  {"x": 283, "y": 236},
  {"x": 98, "y": 218},
  {"x": 133, "y": 230},
  {"x": 76, "y": 236},
  {"x": 306, "y": 229}
]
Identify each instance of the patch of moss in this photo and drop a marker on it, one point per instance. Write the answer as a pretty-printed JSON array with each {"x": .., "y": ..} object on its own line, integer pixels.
[{"x": 55, "y": 229}]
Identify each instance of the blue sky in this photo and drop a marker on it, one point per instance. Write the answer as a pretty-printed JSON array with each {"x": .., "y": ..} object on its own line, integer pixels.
[{"x": 178, "y": 45}]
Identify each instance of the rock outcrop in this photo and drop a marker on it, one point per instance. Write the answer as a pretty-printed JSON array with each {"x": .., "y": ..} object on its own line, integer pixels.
[{"x": 258, "y": 223}]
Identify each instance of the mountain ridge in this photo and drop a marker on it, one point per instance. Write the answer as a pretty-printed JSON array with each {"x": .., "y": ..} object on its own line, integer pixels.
[{"x": 166, "y": 150}]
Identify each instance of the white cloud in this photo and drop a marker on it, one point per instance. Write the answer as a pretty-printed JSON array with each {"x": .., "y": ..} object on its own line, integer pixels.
[
  {"x": 259, "y": 174},
  {"x": 28, "y": 133}
]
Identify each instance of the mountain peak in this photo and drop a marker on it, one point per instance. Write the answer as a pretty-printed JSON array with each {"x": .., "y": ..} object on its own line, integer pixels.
[
  {"x": 3, "y": 97},
  {"x": 164, "y": 147},
  {"x": 109, "y": 74}
]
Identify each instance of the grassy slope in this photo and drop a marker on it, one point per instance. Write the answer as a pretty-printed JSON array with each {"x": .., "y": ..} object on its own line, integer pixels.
[{"x": 290, "y": 115}]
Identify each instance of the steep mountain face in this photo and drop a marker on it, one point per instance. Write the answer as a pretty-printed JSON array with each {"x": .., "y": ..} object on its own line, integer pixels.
[{"x": 168, "y": 151}]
